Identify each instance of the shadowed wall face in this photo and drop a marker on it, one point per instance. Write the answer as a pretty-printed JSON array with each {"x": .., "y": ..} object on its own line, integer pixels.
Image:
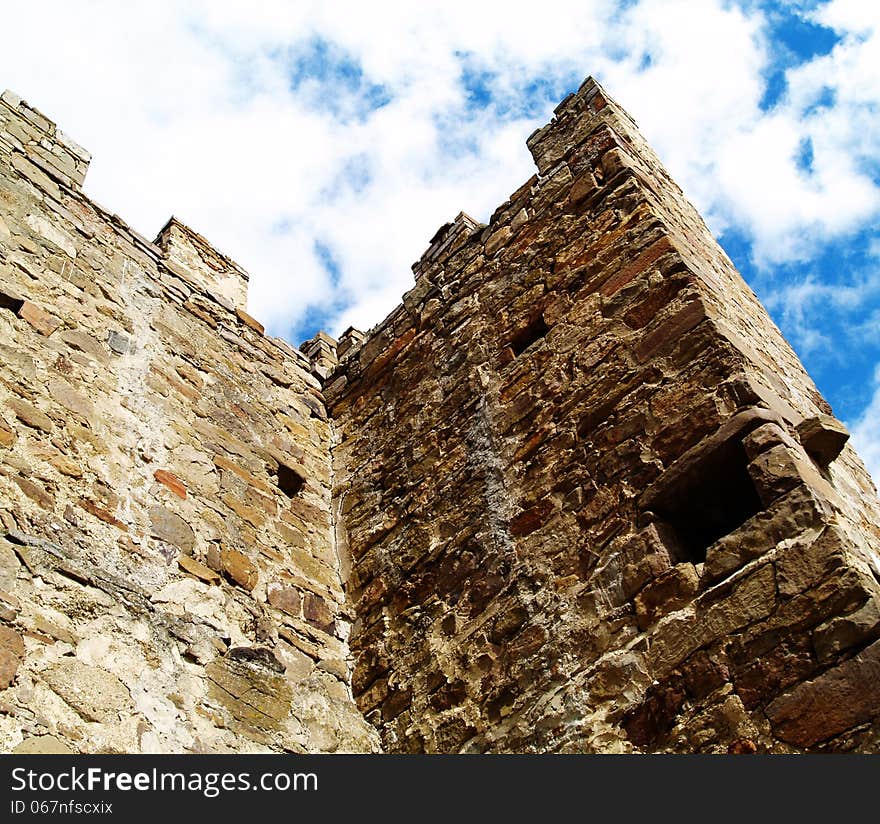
[{"x": 579, "y": 478}]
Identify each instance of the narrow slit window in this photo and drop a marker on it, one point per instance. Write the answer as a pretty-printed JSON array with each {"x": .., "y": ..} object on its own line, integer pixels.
[
  {"x": 532, "y": 333},
  {"x": 290, "y": 482}
]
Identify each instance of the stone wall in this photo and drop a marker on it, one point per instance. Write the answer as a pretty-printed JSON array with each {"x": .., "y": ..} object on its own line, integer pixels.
[
  {"x": 576, "y": 493},
  {"x": 168, "y": 580},
  {"x": 591, "y": 500}
]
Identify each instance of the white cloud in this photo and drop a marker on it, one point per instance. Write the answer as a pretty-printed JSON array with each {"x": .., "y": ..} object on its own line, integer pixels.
[
  {"x": 190, "y": 109},
  {"x": 805, "y": 306}
]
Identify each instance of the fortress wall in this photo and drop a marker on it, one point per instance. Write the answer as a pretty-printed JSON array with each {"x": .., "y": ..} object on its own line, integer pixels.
[
  {"x": 576, "y": 493},
  {"x": 773, "y": 375},
  {"x": 589, "y": 496},
  {"x": 168, "y": 580}
]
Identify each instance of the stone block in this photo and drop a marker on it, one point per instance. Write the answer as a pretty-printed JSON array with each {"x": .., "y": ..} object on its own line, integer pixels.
[
  {"x": 102, "y": 513},
  {"x": 171, "y": 481},
  {"x": 36, "y": 493},
  {"x": 95, "y": 693},
  {"x": 43, "y": 745},
  {"x": 247, "y": 320},
  {"x": 168, "y": 526},
  {"x": 239, "y": 568},
  {"x": 197, "y": 569},
  {"x": 802, "y": 564},
  {"x": 251, "y": 692},
  {"x": 317, "y": 612},
  {"x": 831, "y": 703},
  {"x": 41, "y": 320},
  {"x": 31, "y": 416},
  {"x": 667, "y": 592},
  {"x": 7, "y": 434},
  {"x": 774, "y": 472},
  {"x": 846, "y": 631},
  {"x": 118, "y": 342},
  {"x": 765, "y": 437},
  {"x": 823, "y": 437},
  {"x": 11, "y": 655},
  {"x": 287, "y": 599},
  {"x": 72, "y": 400}
]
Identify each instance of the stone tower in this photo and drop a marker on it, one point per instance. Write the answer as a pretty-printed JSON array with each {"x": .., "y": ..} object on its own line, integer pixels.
[{"x": 575, "y": 494}]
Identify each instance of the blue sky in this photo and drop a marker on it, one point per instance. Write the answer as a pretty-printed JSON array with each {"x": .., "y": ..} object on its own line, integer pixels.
[{"x": 322, "y": 143}]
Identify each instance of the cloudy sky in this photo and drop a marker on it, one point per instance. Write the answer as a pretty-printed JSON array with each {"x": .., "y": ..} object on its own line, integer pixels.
[{"x": 322, "y": 144}]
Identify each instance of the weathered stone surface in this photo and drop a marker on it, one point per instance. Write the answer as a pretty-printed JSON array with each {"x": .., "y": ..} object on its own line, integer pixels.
[
  {"x": 790, "y": 515},
  {"x": 823, "y": 437},
  {"x": 93, "y": 692},
  {"x": 108, "y": 436},
  {"x": 833, "y": 702},
  {"x": 43, "y": 745},
  {"x": 169, "y": 526},
  {"x": 801, "y": 565},
  {"x": 251, "y": 692}
]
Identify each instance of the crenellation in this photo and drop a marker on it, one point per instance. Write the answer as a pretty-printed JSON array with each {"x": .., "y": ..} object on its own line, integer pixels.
[
  {"x": 189, "y": 254},
  {"x": 349, "y": 341},
  {"x": 447, "y": 240},
  {"x": 321, "y": 353},
  {"x": 28, "y": 131}
]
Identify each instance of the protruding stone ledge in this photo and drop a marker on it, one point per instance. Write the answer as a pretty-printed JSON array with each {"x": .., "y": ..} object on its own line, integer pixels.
[{"x": 823, "y": 437}]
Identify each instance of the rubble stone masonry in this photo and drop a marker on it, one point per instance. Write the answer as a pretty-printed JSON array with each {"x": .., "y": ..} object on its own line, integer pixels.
[
  {"x": 167, "y": 574},
  {"x": 575, "y": 494}
]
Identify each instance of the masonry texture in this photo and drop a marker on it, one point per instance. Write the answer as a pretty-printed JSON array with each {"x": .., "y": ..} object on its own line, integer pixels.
[{"x": 575, "y": 494}]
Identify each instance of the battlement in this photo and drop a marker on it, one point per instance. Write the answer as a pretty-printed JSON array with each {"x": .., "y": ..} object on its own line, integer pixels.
[
  {"x": 197, "y": 261},
  {"x": 29, "y": 131}
]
